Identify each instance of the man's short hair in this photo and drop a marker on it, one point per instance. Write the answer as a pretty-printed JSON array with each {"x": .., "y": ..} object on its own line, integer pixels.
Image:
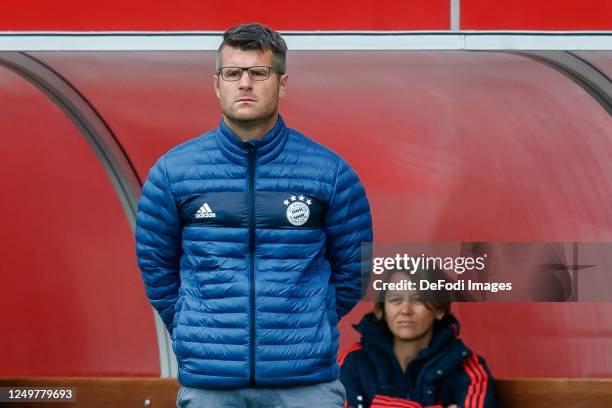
[{"x": 255, "y": 37}]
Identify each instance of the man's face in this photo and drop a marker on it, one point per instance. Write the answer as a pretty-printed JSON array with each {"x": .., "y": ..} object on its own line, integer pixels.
[{"x": 247, "y": 100}]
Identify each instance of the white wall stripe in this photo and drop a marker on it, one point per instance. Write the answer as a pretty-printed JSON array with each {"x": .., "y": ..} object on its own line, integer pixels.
[
  {"x": 455, "y": 15},
  {"x": 526, "y": 42},
  {"x": 421, "y": 40}
]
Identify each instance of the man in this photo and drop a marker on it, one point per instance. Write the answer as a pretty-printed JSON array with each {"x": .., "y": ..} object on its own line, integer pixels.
[{"x": 248, "y": 239}]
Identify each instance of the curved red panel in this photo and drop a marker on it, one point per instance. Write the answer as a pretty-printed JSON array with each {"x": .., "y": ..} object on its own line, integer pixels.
[
  {"x": 452, "y": 146},
  {"x": 183, "y": 15},
  {"x": 73, "y": 302},
  {"x": 541, "y": 340}
]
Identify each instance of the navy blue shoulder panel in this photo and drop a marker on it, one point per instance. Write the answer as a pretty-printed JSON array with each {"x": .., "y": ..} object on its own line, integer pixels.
[{"x": 273, "y": 209}]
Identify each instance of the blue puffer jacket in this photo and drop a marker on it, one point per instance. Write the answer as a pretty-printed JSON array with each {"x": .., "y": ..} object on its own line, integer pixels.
[{"x": 250, "y": 252}]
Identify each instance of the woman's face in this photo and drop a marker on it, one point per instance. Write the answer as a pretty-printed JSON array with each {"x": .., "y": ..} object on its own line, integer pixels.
[{"x": 408, "y": 320}]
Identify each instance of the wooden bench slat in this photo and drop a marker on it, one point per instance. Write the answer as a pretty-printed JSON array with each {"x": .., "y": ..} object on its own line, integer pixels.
[{"x": 120, "y": 392}]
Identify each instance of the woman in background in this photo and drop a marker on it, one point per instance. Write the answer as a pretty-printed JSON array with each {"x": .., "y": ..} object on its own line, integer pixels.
[{"x": 410, "y": 355}]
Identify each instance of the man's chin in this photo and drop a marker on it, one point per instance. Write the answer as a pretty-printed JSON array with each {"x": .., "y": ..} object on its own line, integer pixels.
[{"x": 246, "y": 118}]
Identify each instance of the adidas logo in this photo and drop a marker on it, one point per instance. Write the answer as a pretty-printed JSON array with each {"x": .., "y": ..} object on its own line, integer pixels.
[{"x": 205, "y": 212}]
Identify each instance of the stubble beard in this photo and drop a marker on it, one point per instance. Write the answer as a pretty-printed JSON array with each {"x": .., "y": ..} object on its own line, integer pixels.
[{"x": 250, "y": 122}]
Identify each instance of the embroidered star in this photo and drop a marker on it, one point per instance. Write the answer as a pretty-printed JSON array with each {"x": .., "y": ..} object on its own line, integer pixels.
[
  {"x": 292, "y": 198},
  {"x": 308, "y": 201},
  {"x": 286, "y": 202},
  {"x": 301, "y": 198}
]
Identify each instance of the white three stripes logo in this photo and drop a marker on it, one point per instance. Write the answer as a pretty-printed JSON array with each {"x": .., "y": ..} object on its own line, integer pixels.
[{"x": 205, "y": 212}]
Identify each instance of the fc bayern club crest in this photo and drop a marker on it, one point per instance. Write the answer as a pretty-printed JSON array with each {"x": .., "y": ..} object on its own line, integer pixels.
[{"x": 297, "y": 209}]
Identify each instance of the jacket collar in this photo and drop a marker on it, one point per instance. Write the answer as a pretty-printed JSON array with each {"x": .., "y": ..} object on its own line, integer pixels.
[
  {"x": 376, "y": 334},
  {"x": 266, "y": 148}
]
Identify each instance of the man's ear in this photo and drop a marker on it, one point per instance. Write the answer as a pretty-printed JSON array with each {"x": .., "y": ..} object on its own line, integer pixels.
[
  {"x": 282, "y": 85},
  {"x": 216, "y": 85},
  {"x": 440, "y": 315}
]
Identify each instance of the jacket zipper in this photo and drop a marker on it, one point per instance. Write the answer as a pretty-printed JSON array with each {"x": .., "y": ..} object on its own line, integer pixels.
[{"x": 252, "y": 263}]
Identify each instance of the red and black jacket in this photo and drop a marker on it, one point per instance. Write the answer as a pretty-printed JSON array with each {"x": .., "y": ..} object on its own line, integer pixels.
[{"x": 445, "y": 373}]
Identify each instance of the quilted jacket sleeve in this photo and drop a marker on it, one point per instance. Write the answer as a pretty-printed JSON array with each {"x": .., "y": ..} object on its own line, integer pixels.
[
  {"x": 348, "y": 223},
  {"x": 158, "y": 243}
]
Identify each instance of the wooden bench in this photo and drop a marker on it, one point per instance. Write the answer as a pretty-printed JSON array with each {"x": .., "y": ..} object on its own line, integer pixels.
[
  {"x": 98, "y": 392},
  {"x": 554, "y": 392}
]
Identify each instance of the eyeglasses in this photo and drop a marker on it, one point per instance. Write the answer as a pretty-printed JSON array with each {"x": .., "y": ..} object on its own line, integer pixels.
[{"x": 256, "y": 73}]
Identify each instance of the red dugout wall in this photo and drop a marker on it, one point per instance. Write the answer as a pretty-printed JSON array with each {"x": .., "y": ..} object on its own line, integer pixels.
[
  {"x": 186, "y": 15},
  {"x": 536, "y": 15}
]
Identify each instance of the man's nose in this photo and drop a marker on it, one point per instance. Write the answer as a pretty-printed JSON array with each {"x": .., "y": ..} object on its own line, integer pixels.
[{"x": 245, "y": 80}]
